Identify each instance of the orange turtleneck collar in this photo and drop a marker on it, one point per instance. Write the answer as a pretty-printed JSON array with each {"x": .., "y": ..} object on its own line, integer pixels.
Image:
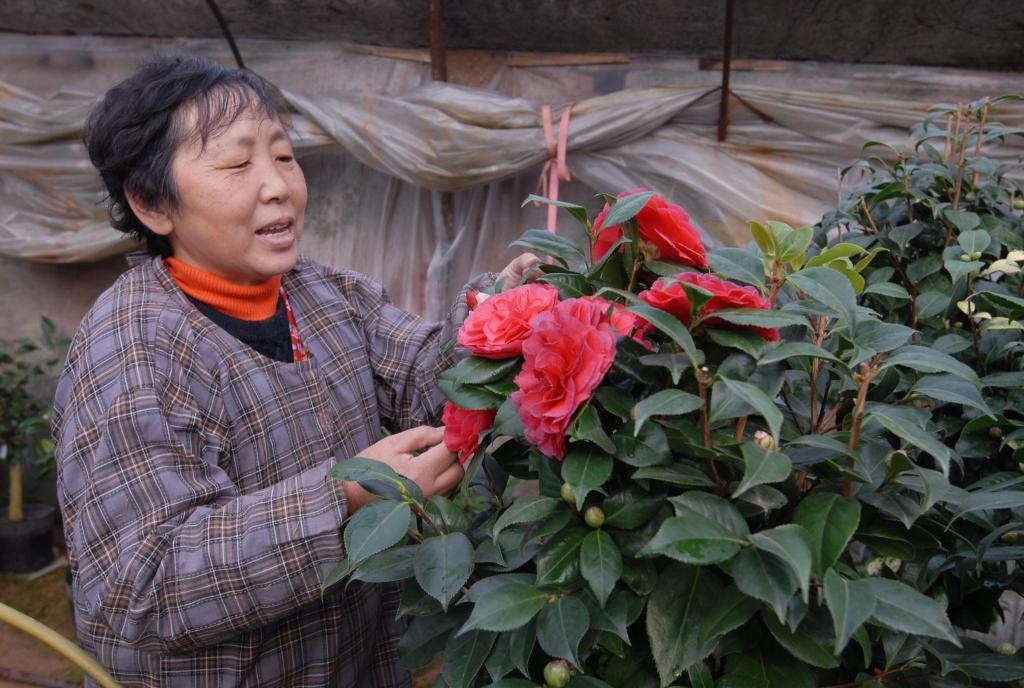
[{"x": 242, "y": 301}]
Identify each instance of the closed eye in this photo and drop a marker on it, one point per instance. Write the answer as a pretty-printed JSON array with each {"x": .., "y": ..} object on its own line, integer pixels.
[{"x": 239, "y": 166}]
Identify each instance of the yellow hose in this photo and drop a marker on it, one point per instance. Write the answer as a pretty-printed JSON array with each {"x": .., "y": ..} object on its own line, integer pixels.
[{"x": 59, "y": 643}]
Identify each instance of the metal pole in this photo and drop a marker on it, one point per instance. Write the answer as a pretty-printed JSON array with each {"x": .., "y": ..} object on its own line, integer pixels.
[
  {"x": 226, "y": 31},
  {"x": 723, "y": 109},
  {"x": 438, "y": 60}
]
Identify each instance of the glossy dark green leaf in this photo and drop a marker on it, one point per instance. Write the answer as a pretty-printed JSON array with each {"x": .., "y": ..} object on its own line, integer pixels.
[
  {"x": 443, "y": 565},
  {"x": 761, "y": 467},
  {"x": 614, "y": 400},
  {"x": 600, "y": 564},
  {"x": 728, "y": 611},
  {"x": 693, "y": 540},
  {"x": 626, "y": 208},
  {"x": 577, "y": 211},
  {"x": 737, "y": 264},
  {"x": 759, "y": 670},
  {"x": 667, "y": 402},
  {"x": 587, "y": 427},
  {"x": 614, "y": 617},
  {"x": 630, "y": 507},
  {"x": 526, "y": 509},
  {"x": 952, "y": 389},
  {"x": 790, "y": 543},
  {"x": 469, "y": 397},
  {"x": 851, "y": 604},
  {"x": 713, "y": 507},
  {"x": 675, "y": 474},
  {"x": 507, "y": 421},
  {"x": 586, "y": 468},
  {"x": 670, "y": 325},
  {"x": 464, "y": 655},
  {"x": 425, "y": 637},
  {"x": 700, "y": 676},
  {"x": 676, "y": 364},
  {"x": 757, "y": 317},
  {"x": 520, "y": 646},
  {"x": 447, "y": 515},
  {"x": 760, "y": 401},
  {"x": 561, "y": 626},
  {"x": 746, "y": 341},
  {"x": 927, "y": 360},
  {"x": 479, "y": 371},
  {"x": 390, "y": 565},
  {"x": 902, "y": 608},
  {"x": 505, "y": 607},
  {"x": 558, "y": 563},
  {"x": 829, "y": 288},
  {"x": 375, "y": 527},
  {"x": 376, "y": 477},
  {"x": 547, "y": 243},
  {"x": 789, "y": 350},
  {"x": 801, "y": 645},
  {"x": 991, "y": 499},
  {"x": 764, "y": 576},
  {"x": 914, "y": 435},
  {"x": 830, "y": 520},
  {"x": 649, "y": 448}
]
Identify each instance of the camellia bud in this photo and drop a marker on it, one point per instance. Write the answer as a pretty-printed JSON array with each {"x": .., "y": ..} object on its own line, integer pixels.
[
  {"x": 557, "y": 673},
  {"x": 995, "y": 432},
  {"x": 594, "y": 517},
  {"x": 966, "y": 257},
  {"x": 764, "y": 440},
  {"x": 568, "y": 494},
  {"x": 1018, "y": 203},
  {"x": 1007, "y": 649},
  {"x": 1010, "y": 538}
]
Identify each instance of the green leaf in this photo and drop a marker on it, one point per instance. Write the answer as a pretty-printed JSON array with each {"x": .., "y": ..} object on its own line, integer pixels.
[
  {"x": 600, "y": 564},
  {"x": 700, "y": 676},
  {"x": 587, "y": 427},
  {"x": 336, "y": 575},
  {"x": 376, "y": 477},
  {"x": 738, "y": 265},
  {"x": 792, "y": 242},
  {"x": 521, "y": 644},
  {"x": 464, "y": 655},
  {"x": 722, "y": 511},
  {"x": 375, "y": 527},
  {"x": 425, "y": 637},
  {"x": 830, "y": 520},
  {"x": 964, "y": 222},
  {"x": 761, "y": 467},
  {"x": 387, "y": 566},
  {"x": 788, "y": 350},
  {"x": 914, "y": 435},
  {"x": 558, "y": 563},
  {"x": 902, "y": 608},
  {"x": 931, "y": 303},
  {"x": 958, "y": 269},
  {"x": 746, "y": 341},
  {"x": 675, "y": 474},
  {"x": 693, "y": 540},
  {"x": 756, "y": 670},
  {"x": 790, "y": 544},
  {"x": 577, "y": 211},
  {"x": 831, "y": 289},
  {"x": 469, "y": 397},
  {"x": 561, "y": 626},
  {"x": 615, "y": 401},
  {"x": 974, "y": 241},
  {"x": 801, "y": 645},
  {"x": 505, "y": 607},
  {"x": 924, "y": 359},
  {"x": 526, "y": 509},
  {"x": 550, "y": 244},
  {"x": 764, "y": 238},
  {"x": 443, "y": 565},
  {"x": 988, "y": 499},
  {"x": 682, "y": 599},
  {"x": 841, "y": 250},
  {"x": 676, "y": 364},
  {"x": 764, "y": 576},
  {"x": 760, "y": 401},
  {"x": 649, "y": 448},
  {"x": 586, "y": 469},
  {"x": 630, "y": 507},
  {"x": 670, "y": 325},
  {"x": 890, "y": 289},
  {"x": 614, "y": 618},
  {"x": 626, "y": 208},
  {"x": 507, "y": 421},
  {"x": 952, "y": 389},
  {"x": 667, "y": 402},
  {"x": 728, "y": 611},
  {"x": 761, "y": 317},
  {"x": 480, "y": 371},
  {"x": 850, "y": 603}
]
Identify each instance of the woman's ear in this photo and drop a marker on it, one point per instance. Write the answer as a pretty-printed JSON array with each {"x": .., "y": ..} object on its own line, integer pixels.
[{"x": 157, "y": 220}]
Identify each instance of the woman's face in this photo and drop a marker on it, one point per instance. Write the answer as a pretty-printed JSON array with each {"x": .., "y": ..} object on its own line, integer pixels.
[{"x": 242, "y": 199}]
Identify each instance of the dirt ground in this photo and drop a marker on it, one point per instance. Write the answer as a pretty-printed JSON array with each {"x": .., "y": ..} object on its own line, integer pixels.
[{"x": 45, "y": 600}]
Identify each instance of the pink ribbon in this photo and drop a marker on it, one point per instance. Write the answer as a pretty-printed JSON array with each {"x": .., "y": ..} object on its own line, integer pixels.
[{"x": 555, "y": 168}]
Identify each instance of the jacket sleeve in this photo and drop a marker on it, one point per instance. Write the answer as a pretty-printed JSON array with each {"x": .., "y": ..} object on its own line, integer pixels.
[
  {"x": 168, "y": 555},
  {"x": 407, "y": 353}
]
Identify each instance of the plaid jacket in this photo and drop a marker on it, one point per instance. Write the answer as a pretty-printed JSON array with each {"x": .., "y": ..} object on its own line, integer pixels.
[{"x": 193, "y": 479}]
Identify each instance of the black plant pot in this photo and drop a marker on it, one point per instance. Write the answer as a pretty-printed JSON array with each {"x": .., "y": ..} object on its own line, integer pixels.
[{"x": 27, "y": 545}]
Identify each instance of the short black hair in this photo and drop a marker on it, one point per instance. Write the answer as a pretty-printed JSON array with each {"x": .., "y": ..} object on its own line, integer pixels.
[{"x": 132, "y": 135}]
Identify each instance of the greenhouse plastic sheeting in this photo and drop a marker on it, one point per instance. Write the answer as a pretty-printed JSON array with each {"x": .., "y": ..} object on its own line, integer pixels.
[{"x": 380, "y": 144}]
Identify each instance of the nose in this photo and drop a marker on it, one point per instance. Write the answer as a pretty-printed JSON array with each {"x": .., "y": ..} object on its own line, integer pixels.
[{"x": 273, "y": 184}]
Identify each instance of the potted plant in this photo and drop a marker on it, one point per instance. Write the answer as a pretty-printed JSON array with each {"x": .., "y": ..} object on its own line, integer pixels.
[
  {"x": 26, "y": 529},
  {"x": 748, "y": 468}
]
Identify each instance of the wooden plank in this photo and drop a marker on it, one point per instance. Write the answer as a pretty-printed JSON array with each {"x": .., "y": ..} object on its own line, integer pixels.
[
  {"x": 708, "y": 64},
  {"x": 518, "y": 59}
]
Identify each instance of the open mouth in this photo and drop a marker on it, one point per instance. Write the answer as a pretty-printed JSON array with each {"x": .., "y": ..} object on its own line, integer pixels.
[{"x": 276, "y": 228}]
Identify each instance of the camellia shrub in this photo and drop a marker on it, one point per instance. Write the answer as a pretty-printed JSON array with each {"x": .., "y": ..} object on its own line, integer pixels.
[{"x": 788, "y": 465}]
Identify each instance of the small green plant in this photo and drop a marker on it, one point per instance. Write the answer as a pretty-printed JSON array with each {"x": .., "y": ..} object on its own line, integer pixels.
[{"x": 24, "y": 415}]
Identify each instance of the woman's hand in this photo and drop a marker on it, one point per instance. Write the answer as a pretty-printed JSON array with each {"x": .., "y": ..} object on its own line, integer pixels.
[
  {"x": 436, "y": 470},
  {"x": 514, "y": 271}
]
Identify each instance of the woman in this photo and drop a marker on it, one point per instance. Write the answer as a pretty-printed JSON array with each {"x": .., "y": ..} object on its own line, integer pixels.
[{"x": 210, "y": 390}]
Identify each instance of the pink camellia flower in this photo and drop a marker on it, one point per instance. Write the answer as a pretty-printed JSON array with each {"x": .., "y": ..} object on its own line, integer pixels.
[
  {"x": 663, "y": 225},
  {"x": 498, "y": 326},
  {"x": 625, "y": 323},
  {"x": 564, "y": 360},
  {"x": 670, "y": 296},
  {"x": 462, "y": 428}
]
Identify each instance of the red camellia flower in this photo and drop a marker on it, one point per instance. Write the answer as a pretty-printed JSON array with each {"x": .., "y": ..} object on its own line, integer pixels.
[
  {"x": 665, "y": 226},
  {"x": 622, "y": 320},
  {"x": 564, "y": 360},
  {"x": 498, "y": 326},
  {"x": 462, "y": 429},
  {"x": 671, "y": 296}
]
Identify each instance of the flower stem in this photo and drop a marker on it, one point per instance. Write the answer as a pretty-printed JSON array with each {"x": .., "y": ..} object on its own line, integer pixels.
[
  {"x": 864, "y": 377},
  {"x": 703, "y": 382}
]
